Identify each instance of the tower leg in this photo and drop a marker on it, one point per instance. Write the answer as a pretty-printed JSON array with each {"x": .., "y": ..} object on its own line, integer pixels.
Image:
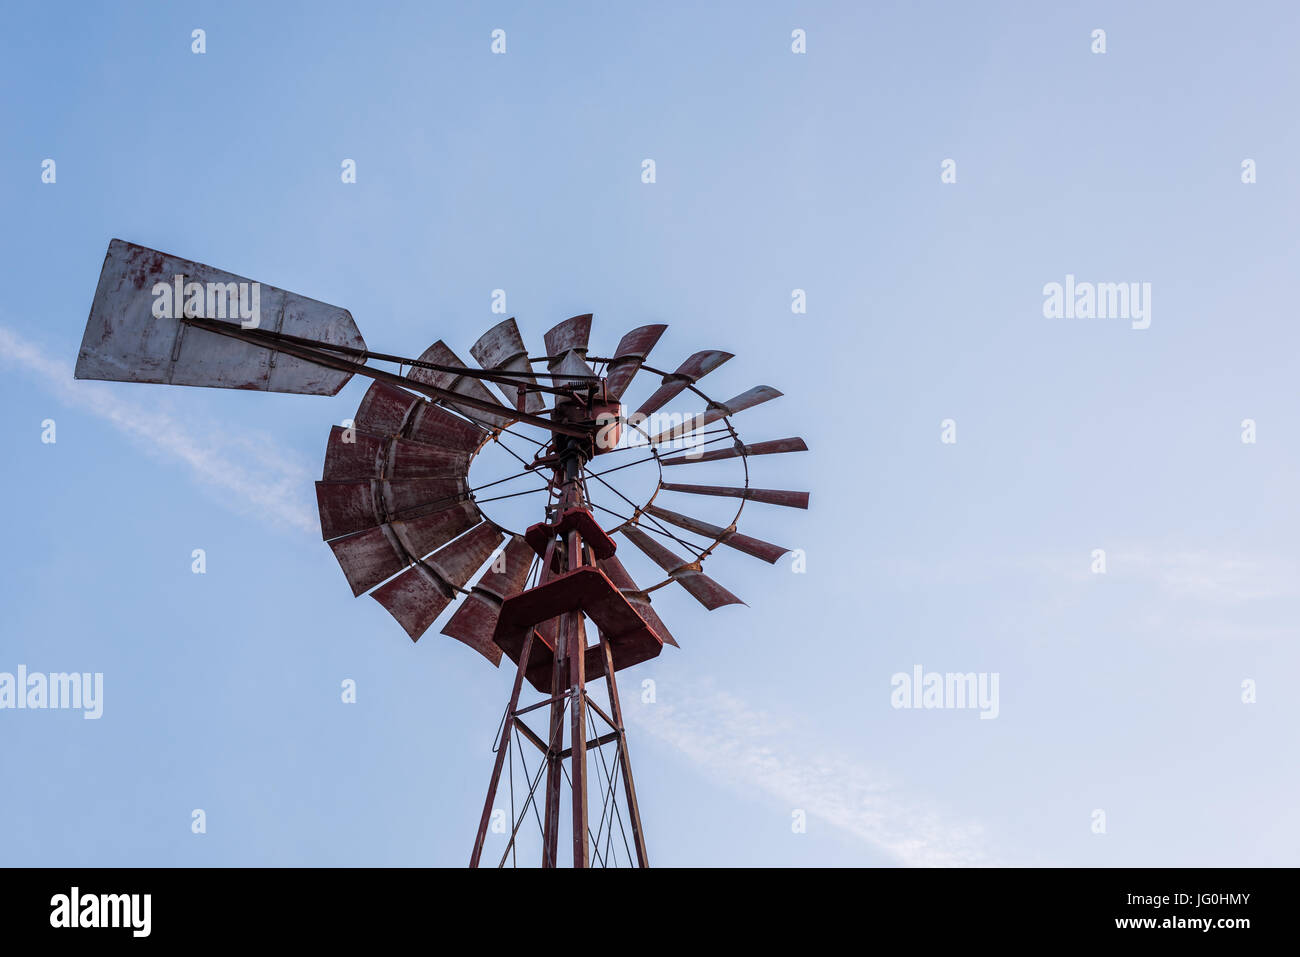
[
  {"x": 625, "y": 762},
  {"x": 578, "y": 736},
  {"x": 506, "y": 727},
  {"x": 554, "y": 745}
]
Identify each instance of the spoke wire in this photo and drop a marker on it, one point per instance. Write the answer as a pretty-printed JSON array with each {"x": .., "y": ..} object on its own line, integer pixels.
[
  {"x": 636, "y": 510},
  {"x": 693, "y": 549}
]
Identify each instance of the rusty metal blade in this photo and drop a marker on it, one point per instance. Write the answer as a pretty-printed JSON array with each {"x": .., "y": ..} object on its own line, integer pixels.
[
  {"x": 746, "y": 400},
  {"x": 615, "y": 572},
  {"x": 646, "y": 611},
  {"x": 475, "y": 620},
  {"x": 769, "y": 495},
  {"x": 384, "y": 409},
  {"x": 502, "y": 349},
  {"x": 485, "y": 408},
  {"x": 661, "y": 555},
  {"x": 415, "y": 598},
  {"x": 457, "y": 562},
  {"x": 566, "y": 349},
  {"x": 409, "y": 459},
  {"x": 687, "y": 574},
  {"x": 727, "y": 536},
  {"x": 639, "y": 600},
  {"x": 411, "y": 498},
  {"x": 127, "y": 341},
  {"x": 704, "y": 589},
  {"x": 569, "y": 335},
  {"x": 351, "y": 455},
  {"x": 570, "y": 369},
  {"x": 369, "y": 557},
  {"x": 632, "y": 350},
  {"x": 473, "y": 623},
  {"x": 420, "y": 536},
  {"x": 347, "y": 507},
  {"x": 434, "y": 425},
  {"x": 509, "y": 572},
  {"x": 758, "y": 448},
  {"x": 688, "y": 373}
]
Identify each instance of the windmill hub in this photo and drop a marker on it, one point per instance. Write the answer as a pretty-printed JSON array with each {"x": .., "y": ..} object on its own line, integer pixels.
[{"x": 599, "y": 417}]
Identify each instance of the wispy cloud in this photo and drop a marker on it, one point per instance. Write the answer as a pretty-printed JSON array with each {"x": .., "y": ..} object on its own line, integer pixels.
[
  {"x": 750, "y": 749},
  {"x": 252, "y": 477},
  {"x": 1225, "y": 594},
  {"x": 1223, "y": 578}
]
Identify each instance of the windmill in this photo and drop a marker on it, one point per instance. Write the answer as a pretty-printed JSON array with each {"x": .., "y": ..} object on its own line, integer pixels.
[{"x": 400, "y": 515}]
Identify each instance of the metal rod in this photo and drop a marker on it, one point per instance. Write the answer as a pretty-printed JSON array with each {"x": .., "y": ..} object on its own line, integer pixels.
[
  {"x": 604, "y": 717},
  {"x": 601, "y": 741},
  {"x": 497, "y": 498},
  {"x": 313, "y": 354},
  {"x": 532, "y": 791},
  {"x": 578, "y": 734},
  {"x": 626, "y": 465},
  {"x": 551, "y": 834},
  {"x": 541, "y": 704},
  {"x": 524, "y": 813},
  {"x": 502, "y": 376},
  {"x": 531, "y": 735}
]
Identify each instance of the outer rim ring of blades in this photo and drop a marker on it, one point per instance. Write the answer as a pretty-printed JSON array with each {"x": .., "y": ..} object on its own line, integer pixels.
[
  {"x": 393, "y": 536},
  {"x": 715, "y": 414}
]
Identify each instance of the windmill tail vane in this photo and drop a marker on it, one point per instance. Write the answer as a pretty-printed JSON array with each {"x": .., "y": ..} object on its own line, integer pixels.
[{"x": 406, "y": 526}]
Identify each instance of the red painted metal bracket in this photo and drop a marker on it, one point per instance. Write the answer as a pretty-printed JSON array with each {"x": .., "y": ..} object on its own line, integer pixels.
[
  {"x": 589, "y": 591},
  {"x": 578, "y": 520}
]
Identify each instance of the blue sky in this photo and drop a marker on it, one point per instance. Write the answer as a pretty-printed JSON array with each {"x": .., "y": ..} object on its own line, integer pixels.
[{"x": 775, "y": 171}]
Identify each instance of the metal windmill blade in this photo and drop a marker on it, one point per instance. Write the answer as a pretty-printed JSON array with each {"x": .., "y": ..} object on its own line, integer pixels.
[
  {"x": 501, "y": 349},
  {"x": 687, "y": 574},
  {"x": 727, "y": 536},
  {"x": 614, "y": 569},
  {"x": 773, "y": 447},
  {"x": 353, "y": 454},
  {"x": 719, "y": 410},
  {"x": 769, "y": 495},
  {"x": 475, "y": 620},
  {"x": 688, "y": 373},
  {"x": 360, "y": 504},
  {"x": 406, "y": 525},
  {"x": 632, "y": 351},
  {"x": 411, "y": 478},
  {"x": 443, "y": 369},
  {"x": 418, "y": 596},
  {"x": 566, "y": 348}
]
